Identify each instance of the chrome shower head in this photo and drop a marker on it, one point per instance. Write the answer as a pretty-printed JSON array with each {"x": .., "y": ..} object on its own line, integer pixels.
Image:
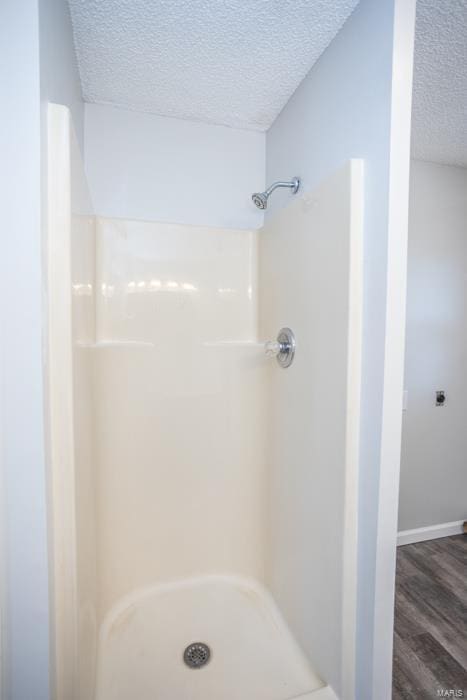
[{"x": 260, "y": 199}]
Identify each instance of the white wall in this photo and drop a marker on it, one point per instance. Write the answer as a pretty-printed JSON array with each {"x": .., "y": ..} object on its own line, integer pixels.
[
  {"x": 344, "y": 108},
  {"x": 433, "y": 488},
  {"x": 21, "y": 382},
  {"x": 145, "y": 167}
]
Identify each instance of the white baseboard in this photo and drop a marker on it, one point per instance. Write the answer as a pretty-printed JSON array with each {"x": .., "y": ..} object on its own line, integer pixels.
[{"x": 432, "y": 532}]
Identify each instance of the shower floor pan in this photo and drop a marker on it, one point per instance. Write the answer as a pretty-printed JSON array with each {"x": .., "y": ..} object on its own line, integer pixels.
[{"x": 253, "y": 655}]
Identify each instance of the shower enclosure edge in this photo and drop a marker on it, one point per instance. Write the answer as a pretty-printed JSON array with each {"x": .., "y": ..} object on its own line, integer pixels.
[
  {"x": 353, "y": 416},
  {"x": 59, "y": 399}
]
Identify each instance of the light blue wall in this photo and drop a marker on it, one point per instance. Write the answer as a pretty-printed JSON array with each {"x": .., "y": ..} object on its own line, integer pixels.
[
  {"x": 153, "y": 168},
  {"x": 343, "y": 110},
  {"x": 60, "y": 81},
  {"x": 21, "y": 381},
  {"x": 433, "y": 475}
]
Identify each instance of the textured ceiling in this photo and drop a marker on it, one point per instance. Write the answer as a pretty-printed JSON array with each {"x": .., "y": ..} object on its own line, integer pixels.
[
  {"x": 232, "y": 62},
  {"x": 439, "y": 122},
  {"x": 237, "y": 62}
]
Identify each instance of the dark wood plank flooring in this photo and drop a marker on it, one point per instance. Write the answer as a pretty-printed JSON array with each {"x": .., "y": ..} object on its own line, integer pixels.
[{"x": 430, "y": 626}]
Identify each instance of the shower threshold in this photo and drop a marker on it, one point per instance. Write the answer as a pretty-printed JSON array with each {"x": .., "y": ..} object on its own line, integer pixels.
[{"x": 252, "y": 654}]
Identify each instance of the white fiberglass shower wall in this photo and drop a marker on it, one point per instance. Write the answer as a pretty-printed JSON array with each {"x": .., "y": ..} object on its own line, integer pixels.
[{"x": 190, "y": 471}]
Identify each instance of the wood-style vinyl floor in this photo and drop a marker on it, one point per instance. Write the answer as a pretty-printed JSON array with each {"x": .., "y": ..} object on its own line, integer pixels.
[{"x": 430, "y": 630}]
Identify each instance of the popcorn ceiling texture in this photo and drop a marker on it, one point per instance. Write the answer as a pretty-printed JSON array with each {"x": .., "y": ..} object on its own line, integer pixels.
[
  {"x": 237, "y": 62},
  {"x": 231, "y": 62},
  {"x": 439, "y": 122}
]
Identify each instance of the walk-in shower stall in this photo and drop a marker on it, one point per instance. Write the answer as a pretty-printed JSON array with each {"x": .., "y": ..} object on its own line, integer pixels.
[{"x": 203, "y": 492}]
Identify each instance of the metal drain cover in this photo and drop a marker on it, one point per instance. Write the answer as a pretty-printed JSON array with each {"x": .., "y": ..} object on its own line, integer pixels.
[{"x": 196, "y": 655}]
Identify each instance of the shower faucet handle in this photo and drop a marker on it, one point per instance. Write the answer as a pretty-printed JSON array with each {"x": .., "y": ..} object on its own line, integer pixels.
[
  {"x": 272, "y": 348},
  {"x": 283, "y": 348}
]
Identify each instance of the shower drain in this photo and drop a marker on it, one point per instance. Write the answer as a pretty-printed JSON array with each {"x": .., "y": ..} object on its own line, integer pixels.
[{"x": 196, "y": 655}]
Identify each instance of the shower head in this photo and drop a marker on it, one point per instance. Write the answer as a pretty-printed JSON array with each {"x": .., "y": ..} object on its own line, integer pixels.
[{"x": 260, "y": 199}]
